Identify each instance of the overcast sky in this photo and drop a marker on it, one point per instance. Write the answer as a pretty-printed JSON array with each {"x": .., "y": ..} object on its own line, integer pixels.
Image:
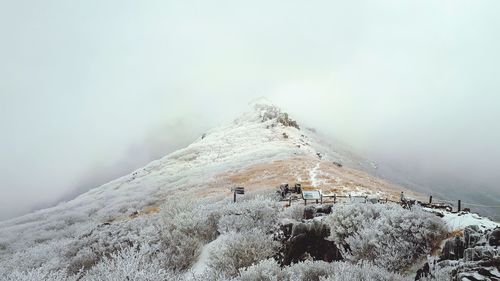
[{"x": 91, "y": 89}]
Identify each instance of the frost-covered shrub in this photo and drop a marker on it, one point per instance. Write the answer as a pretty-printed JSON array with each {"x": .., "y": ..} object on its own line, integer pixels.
[
  {"x": 294, "y": 212},
  {"x": 134, "y": 263},
  {"x": 89, "y": 248},
  {"x": 346, "y": 271},
  {"x": 269, "y": 270},
  {"x": 265, "y": 270},
  {"x": 38, "y": 274},
  {"x": 235, "y": 250},
  {"x": 387, "y": 235},
  {"x": 310, "y": 270},
  {"x": 45, "y": 254},
  {"x": 186, "y": 226},
  {"x": 441, "y": 273},
  {"x": 257, "y": 213},
  {"x": 181, "y": 232}
]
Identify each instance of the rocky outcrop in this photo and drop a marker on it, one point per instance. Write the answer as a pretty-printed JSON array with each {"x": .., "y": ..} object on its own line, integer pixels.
[
  {"x": 494, "y": 239},
  {"x": 481, "y": 270},
  {"x": 269, "y": 112},
  {"x": 311, "y": 211},
  {"x": 475, "y": 256},
  {"x": 306, "y": 240},
  {"x": 453, "y": 249}
]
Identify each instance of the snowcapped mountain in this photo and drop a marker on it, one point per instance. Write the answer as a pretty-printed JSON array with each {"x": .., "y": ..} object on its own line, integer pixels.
[{"x": 259, "y": 150}]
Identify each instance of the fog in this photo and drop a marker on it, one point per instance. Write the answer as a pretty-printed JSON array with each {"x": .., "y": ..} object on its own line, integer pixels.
[{"x": 90, "y": 90}]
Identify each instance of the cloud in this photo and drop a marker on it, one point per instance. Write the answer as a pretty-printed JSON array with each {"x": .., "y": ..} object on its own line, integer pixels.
[{"x": 84, "y": 89}]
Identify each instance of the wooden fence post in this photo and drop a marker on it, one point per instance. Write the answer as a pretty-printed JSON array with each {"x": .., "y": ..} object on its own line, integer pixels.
[
  {"x": 459, "y": 205},
  {"x": 430, "y": 199},
  {"x": 335, "y": 198},
  {"x": 234, "y": 197}
]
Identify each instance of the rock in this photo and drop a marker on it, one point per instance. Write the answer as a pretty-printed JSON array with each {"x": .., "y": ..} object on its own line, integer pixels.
[
  {"x": 423, "y": 272},
  {"x": 482, "y": 270},
  {"x": 324, "y": 209},
  {"x": 308, "y": 239},
  {"x": 472, "y": 235},
  {"x": 494, "y": 239},
  {"x": 309, "y": 212},
  {"x": 479, "y": 253},
  {"x": 453, "y": 249},
  {"x": 338, "y": 164},
  {"x": 287, "y": 229}
]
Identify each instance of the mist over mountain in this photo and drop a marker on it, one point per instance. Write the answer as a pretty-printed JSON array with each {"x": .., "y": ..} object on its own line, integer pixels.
[{"x": 176, "y": 217}]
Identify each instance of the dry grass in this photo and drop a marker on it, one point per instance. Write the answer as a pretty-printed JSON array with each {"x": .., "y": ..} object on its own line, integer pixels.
[{"x": 330, "y": 179}]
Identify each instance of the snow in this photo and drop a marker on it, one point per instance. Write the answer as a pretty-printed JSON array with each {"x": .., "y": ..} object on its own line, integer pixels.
[
  {"x": 202, "y": 264},
  {"x": 248, "y": 140},
  {"x": 459, "y": 221},
  {"x": 313, "y": 173}
]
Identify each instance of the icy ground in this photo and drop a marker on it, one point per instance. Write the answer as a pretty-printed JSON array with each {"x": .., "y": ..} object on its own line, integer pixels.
[{"x": 459, "y": 221}]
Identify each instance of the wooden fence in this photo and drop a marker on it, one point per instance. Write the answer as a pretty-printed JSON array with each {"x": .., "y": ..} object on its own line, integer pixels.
[{"x": 451, "y": 206}]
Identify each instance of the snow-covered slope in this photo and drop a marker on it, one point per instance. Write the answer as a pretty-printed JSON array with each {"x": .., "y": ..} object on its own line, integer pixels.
[{"x": 260, "y": 149}]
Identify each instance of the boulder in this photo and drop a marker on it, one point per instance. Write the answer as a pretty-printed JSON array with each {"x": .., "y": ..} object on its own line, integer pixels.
[
  {"x": 472, "y": 235},
  {"x": 324, "y": 209},
  {"x": 423, "y": 272},
  {"x": 479, "y": 253},
  {"x": 453, "y": 249},
  {"x": 482, "y": 270},
  {"x": 309, "y": 212},
  {"x": 308, "y": 239},
  {"x": 494, "y": 239}
]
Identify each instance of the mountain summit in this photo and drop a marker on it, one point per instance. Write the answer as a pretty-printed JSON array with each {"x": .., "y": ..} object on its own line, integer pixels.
[{"x": 259, "y": 150}]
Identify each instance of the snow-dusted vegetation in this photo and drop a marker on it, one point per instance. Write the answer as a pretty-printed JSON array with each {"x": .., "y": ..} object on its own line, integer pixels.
[
  {"x": 174, "y": 220},
  {"x": 378, "y": 233},
  {"x": 377, "y": 241},
  {"x": 317, "y": 270}
]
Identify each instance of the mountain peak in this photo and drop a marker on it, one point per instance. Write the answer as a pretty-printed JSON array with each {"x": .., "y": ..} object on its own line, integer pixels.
[{"x": 266, "y": 110}]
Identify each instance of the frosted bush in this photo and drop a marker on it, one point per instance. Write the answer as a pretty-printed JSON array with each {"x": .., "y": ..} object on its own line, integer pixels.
[
  {"x": 38, "y": 274},
  {"x": 441, "y": 273},
  {"x": 47, "y": 254},
  {"x": 259, "y": 212},
  {"x": 346, "y": 271},
  {"x": 294, "y": 212},
  {"x": 184, "y": 227},
  {"x": 104, "y": 240},
  {"x": 235, "y": 250},
  {"x": 265, "y": 270},
  {"x": 134, "y": 263},
  {"x": 387, "y": 235},
  {"x": 269, "y": 270},
  {"x": 310, "y": 270}
]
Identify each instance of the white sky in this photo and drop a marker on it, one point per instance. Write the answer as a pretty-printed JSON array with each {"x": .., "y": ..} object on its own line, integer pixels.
[{"x": 91, "y": 89}]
